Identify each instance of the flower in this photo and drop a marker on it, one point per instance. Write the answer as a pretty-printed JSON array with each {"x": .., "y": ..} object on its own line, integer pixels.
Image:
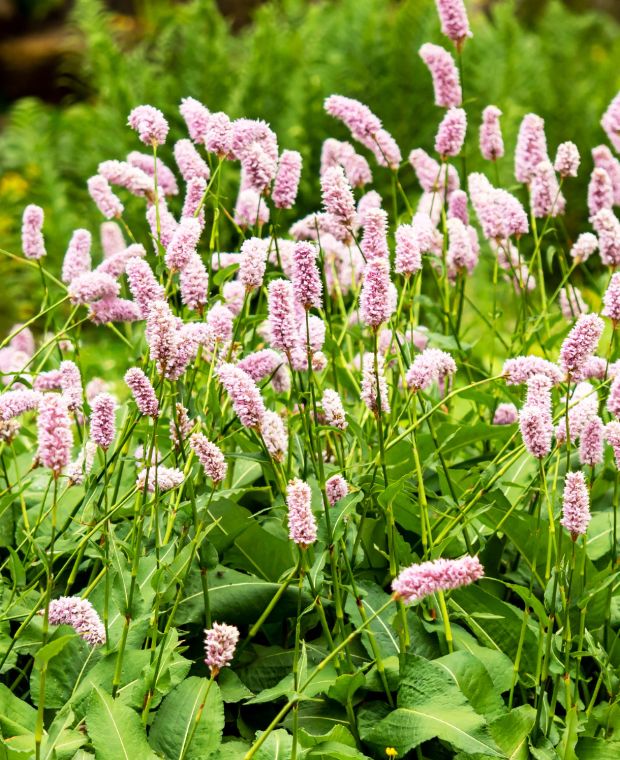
[
  {"x": 101, "y": 192},
  {"x": 253, "y": 263},
  {"x": 220, "y": 643},
  {"x": 611, "y": 122},
  {"x": 150, "y": 124},
  {"x": 607, "y": 227},
  {"x": 333, "y": 409},
  {"x": 531, "y": 147},
  {"x": 143, "y": 286},
  {"x": 194, "y": 283},
  {"x": 102, "y": 420},
  {"x": 572, "y": 303},
  {"x": 338, "y": 199},
  {"x": 250, "y": 209},
  {"x": 408, "y": 259},
  {"x": 80, "y": 615},
  {"x": 445, "y": 74},
  {"x": 162, "y": 334},
  {"x": 190, "y": 163},
  {"x": 584, "y": 247},
  {"x": 613, "y": 400},
  {"x": 600, "y": 192},
  {"x": 417, "y": 581},
  {"x": 536, "y": 429},
  {"x": 116, "y": 264},
  {"x": 369, "y": 383},
  {"x": 611, "y": 299},
  {"x": 374, "y": 242},
  {"x": 125, "y": 175},
  {"x": 192, "y": 204},
  {"x": 612, "y": 436},
  {"x": 581, "y": 342},
  {"x": 603, "y": 159},
  {"x": 457, "y": 206},
  {"x": 142, "y": 391},
  {"x": 546, "y": 198},
  {"x": 339, "y": 153},
  {"x": 451, "y": 133},
  {"x": 428, "y": 367},
  {"x": 197, "y": 118},
  {"x": 307, "y": 285},
  {"x": 375, "y": 303},
  {"x": 161, "y": 478},
  {"x": 274, "y": 435},
  {"x": 505, "y": 414},
  {"x": 81, "y": 467},
  {"x": 234, "y": 294},
  {"x": 15, "y": 403},
  {"x": 245, "y": 396},
  {"x": 183, "y": 243},
  {"x": 112, "y": 240},
  {"x": 575, "y": 505},
  {"x": 219, "y": 135},
  {"x": 210, "y": 457},
  {"x": 360, "y": 120},
  {"x": 591, "y": 442},
  {"x": 287, "y": 178},
  {"x": 567, "y": 159},
  {"x": 164, "y": 231},
  {"x": 281, "y": 315},
  {"x": 220, "y": 323},
  {"x": 71, "y": 384},
  {"x": 91, "y": 286},
  {"x": 460, "y": 256},
  {"x": 33, "y": 244},
  {"x": 77, "y": 258},
  {"x": 166, "y": 181},
  {"x": 336, "y": 488},
  {"x": 491, "y": 141},
  {"x": 55, "y": 438},
  {"x": 302, "y": 528}
]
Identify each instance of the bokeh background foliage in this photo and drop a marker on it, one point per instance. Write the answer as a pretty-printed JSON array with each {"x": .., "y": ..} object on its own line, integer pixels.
[{"x": 563, "y": 65}]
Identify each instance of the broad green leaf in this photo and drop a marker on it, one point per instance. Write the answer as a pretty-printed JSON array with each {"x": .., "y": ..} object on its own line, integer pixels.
[
  {"x": 511, "y": 731},
  {"x": 190, "y": 721},
  {"x": 473, "y": 680},
  {"x": 277, "y": 746},
  {"x": 589, "y": 748},
  {"x": 115, "y": 730},
  {"x": 372, "y": 598},
  {"x": 16, "y": 716}
]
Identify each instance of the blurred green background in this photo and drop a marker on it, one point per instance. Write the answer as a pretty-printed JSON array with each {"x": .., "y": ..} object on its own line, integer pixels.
[{"x": 71, "y": 72}]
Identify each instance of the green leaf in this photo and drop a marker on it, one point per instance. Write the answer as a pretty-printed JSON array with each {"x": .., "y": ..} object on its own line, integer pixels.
[
  {"x": 473, "y": 680},
  {"x": 190, "y": 721},
  {"x": 16, "y": 717},
  {"x": 232, "y": 687},
  {"x": 431, "y": 705},
  {"x": 116, "y": 731},
  {"x": 45, "y": 654},
  {"x": 277, "y": 746},
  {"x": 589, "y": 748},
  {"x": 511, "y": 731},
  {"x": 373, "y": 597}
]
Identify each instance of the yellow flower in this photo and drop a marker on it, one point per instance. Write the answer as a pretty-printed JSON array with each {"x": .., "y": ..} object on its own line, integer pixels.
[{"x": 391, "y": 752}]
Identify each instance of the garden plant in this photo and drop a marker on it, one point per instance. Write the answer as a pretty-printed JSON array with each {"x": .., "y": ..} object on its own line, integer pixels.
[{"x": 346, "y": 483}]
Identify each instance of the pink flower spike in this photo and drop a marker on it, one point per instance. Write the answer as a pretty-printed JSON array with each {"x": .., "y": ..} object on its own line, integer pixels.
[
  {"x": 143, "y": 286},
  {"x": 159, "y": 478},
  {"x": 451, "y": 133},
  {"x": 91, "y": 286},
  {"x": 613, "y": 400},
  {"x": 360, "y": 120},
  {"x": 190, "y": 163},
  {"x": 101, "y": 192},
  {"x": 375, "y": 305},
  {"x": 603, "y": 159},
  {"x": 531, "y": 147},
  {"x": 194, "y": 283},
  {"x": 274, "y": 435},
  {"x": 333, "y": 409},
  {"x": 491, "y": 140},
  {"x": 302, "y": 528},
  {"x": 150, "y": 124},
  {"x": 197, "y": 117},
  {"x": 591, "y": 442},
  {"x": 536, "y": 429},
  {"x": 71, "y": 384},
  {"x": 612, "y": 436},
  {"x": 18, "y": 402},
  {"x": 457, "y": 206},
  {"x": 584, "y": 247},
  {"x": 505, "y": 414},
  {"x": 445, "y": 74},
  {"x": 166, "y": 181},
  {"x": 611, "y": 122},
  {"x": 428, "y": 367},
  {"x": 77, "y": 258},
  {"x": 287, "y": 178},
  {"x": 418, "y": 581},
  {"x": 581, "y": 343},
  {"x": 567, "y": 159},
  {"x": 575, "y": 505},
  {"x": 183, "y": 244},
  {"x": 80, "y": 615},
  {"x": 142, "y": 391},
  {"x": 546, "y": 198},
  {"x": 374, "y": 243},
  {"x": 103, "y": 420},
  {"x": 307, "y": 285},
  {"x": 611, "y": 300},
  {"x": 250, "y": 209},
  {"x": 408, "y": 252},
  {"x": 337, "y": 488},
  {"x": 337, "y": 197},
  {"x": 220, "y": 643},
  {"x": 281, "y": 310},
  {"x": 219, "y": 135},
  {"x": 253, "y": 263},
  {"x": 369, "y": 394},
  {"x": 460, "y": 256},
  {"x": 245, "y": 396},
  {"x": 33, "y": 244},
  {"x": 210, "y": 457},
  {"x": 607, "y": 227},
  {"x": 55, "y": 437},
  {"x": 600, "y": 192}
]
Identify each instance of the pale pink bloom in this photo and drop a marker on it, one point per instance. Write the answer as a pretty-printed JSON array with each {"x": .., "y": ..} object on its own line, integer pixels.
[
  {"x": 101, "y": 192},
  {"x": 33, "y": 244},
  {"x": 245, "y": 396},
  {"x": 114, "y": 310},
  {"x": 591, "y": 442},
  {"x": 142, "y": 391},
  {"x": 600, "y": 192},
  {"x": 581, "y": 342},
  {"x": 197, "y": 118},
  {"x": 193, "y": 202},
  {"x": 336, "y": 488},
  {"x": 17, "y": 402},
  {"x": 77, "y": 258},
  {"x": 234, "y": 295},
  {"x": 253, "y": 263},
  {"x": 91, "y": 286},
  {"x": 194, "y": 283},
  {"x": 287, "y": 178},
  {"x": 159, "y": 478},
  {"x": 125, "y": 175},
  {"x": 595, "y": 368},
  {"x": 539, "y": 393},
  {"x": 374, "y": 243},
  {"x": 433, "y": 176},
  {"x": 584, "y": 247},
  {"x": 220, "y": 643},
  {"x": 210, "y": 457},
  {"x": 531, "y": 147},
  {"x": 266, "y": 363},
  {"x": 491, "y": 140},
  {"x": 150, "y": 124},
  {"x": 572, "y": 303},
  {"x": 505, "y": 414},
  {"x": 81, "y": 467},
  {"x": 8, "y": 430},
  {"x": 361, "y": 121},
  {"x": 546, "y": 198},
  {"x": 281, "y": 310},
  {"x": 432, "y": 365},
  {"x": 115, "y": 264},
  {"x": 419, "y": 337},
  {"x": 613, "y": 400},
  {"x": 368, "y": 203},
  {"x": 71, "y": 384},
  {"x": 180, "y": 426},
  {"x": 607, "y": 228},
  {"x": 166, "y": 181},
  {"x": 460, "y": 256},
  {"x": 536, "y": 429},
  {"x": 603, "y": 159},
  {"x": 12, "y": 364},
  {"x": 103, "y": 420},
  {"x": 457, "y": 206},
  {"x": 55, "y": 438},
  {"x": 446, "y": 82},
  {"x": 333, "y": 410},
  {"x": 190, "y": 163},
  {"x": 248, "y": 132},
  {"x": 46, "y": 381},
  {"x": 183, "y": 244},
  {"x": 612, "y": 436},
  {"x": 575, "y": 505},
  {"x": 337, "y": 196},
  {"x": 164, "y": 231},
  {"x": 369, "y": 394},
  {"x": 374, "y": 300},
  {"x": 451, "y": 133},
  {"x": 274, "y": 435},
  {"x": 307, "y": 285},
  {"x": 386, "y": 149},
  {"x": 417, "y": 581},
  {"x": 161, "y": 334},
  {"x": 583, "y": 406},
  {"x": 220, "y": 323},
  {"x": 94, "y": 387},
  {"x": 219, "y": 135},
  {"x": 611, "y": 122},
  {"x": 339, "y": 153},
  {"x": 143, "y": 286},
  {"x": 250, "y": 209},
  {"x": 611, "y": 299},
  {"x": 258, "y": 168},
  {"x": 302, "y": 528},
  {"x": 22, "y": 340},
  {"x": 567, "y": 159},
  {"x": 80, "y": 615},
  {"x": 408, "y": 254}
]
